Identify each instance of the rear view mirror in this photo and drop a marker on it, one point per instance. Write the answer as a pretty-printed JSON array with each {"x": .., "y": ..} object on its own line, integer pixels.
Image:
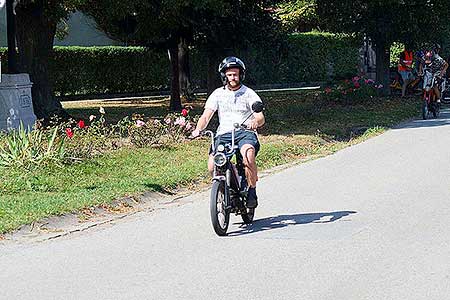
[{"x": 258, "y": 107}]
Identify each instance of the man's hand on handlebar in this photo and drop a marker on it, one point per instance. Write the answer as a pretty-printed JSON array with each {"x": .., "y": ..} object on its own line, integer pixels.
[
  {"x": 195, "y": 133},
  {"x": 253, "y": 124}
]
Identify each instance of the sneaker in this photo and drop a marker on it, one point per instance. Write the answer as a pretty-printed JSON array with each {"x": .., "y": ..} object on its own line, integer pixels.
[{"x": 252, "y": 199}]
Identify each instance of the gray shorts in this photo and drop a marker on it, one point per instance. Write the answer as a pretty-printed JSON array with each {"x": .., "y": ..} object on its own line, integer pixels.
[{"x": 242, "y": 137}]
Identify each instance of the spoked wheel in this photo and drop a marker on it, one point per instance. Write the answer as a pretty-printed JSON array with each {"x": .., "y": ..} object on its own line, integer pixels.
[
  {"x": 425, "y": 110},
  {"x": 247, "y": 217},
  {"x": 220, "y": 216}
]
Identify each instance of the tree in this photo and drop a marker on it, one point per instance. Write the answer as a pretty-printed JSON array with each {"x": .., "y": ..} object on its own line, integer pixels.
[
  {"x": 157, "y": 24},
  {"x": 385, "y": 21},
  {"x": 299, "y": 15},
  {"x": 36, "y": 25},
  {"x": 213, "y": 26}
]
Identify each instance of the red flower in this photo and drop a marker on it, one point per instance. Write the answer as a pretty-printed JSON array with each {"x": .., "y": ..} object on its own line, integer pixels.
[
  {"x": 327, "y": 90},
  {"x": 81, "y": 124},
  {"x": 357, "y": 85},
  {"x": 69, "y": 132},
  {"x": 184, "y": 112}
]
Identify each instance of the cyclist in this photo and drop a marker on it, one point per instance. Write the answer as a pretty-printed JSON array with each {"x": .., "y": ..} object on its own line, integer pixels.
[
  {"x": 233, "y": 104},
  {"x": 438, "y": 67}
]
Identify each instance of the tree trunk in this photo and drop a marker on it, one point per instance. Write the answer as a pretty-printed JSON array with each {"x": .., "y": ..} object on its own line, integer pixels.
[
  {"x": 382, "y": 52},
  {"x": 213, "y": 77},
  {"x": 35, "y": 34},
  {"x": 175, "y": 100},
  {"x": 185, "y": 70}
]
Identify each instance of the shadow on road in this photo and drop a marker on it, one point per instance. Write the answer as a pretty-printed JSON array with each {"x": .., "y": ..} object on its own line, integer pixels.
[
  {"x": 442, "y": 120},
  {"x": 282, "y": 221}
]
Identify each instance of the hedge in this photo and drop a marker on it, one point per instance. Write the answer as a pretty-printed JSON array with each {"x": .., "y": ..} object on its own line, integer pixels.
[
  {"x": 104, "y": 70},
  {"x": 320, "y": 57},
  {"x": 305, "y": 57},
  {"x": 99, "y": 70}
]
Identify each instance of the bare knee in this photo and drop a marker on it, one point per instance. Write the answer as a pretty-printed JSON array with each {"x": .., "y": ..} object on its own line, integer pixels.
[
  {"x": 211, "y": 164},
  {"x": 249, "y": 155}
]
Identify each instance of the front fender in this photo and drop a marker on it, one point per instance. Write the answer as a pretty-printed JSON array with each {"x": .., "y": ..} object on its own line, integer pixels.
[{"x": 219, "y": 178}]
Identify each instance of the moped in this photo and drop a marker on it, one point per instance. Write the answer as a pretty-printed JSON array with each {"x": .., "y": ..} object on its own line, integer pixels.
[
  {"x": 229, "y": 185},
  {"x": 429, "y": 103}
]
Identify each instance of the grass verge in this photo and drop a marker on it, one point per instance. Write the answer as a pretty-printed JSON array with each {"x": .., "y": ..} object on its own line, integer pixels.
[{"x": 298, "y": 126}]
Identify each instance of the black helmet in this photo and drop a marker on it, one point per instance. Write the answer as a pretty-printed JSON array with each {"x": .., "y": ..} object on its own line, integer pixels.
[{"x": 231, "y": 62}]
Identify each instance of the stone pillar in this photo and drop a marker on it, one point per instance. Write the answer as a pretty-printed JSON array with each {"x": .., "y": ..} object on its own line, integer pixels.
[{"x": 16, "y": 105}]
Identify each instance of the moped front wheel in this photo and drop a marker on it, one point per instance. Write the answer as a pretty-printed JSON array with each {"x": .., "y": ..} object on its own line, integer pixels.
[
  {"x": 425, "y": 109},
  {"x": 436, "y": 109},
  {"x": 220, "y": 215},
  {"x": 247, "y": 216}
]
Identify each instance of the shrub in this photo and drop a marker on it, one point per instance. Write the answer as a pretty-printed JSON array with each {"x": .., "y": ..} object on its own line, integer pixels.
[
  {"x": 319, "y": 57},
  {"x": 22, "y": 148},
  {"x": 98, "y": 70},
  {"x": 352, "y": 91}
]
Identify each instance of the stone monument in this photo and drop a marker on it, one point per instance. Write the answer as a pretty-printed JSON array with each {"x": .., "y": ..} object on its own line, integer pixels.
[{"x": 16, "y": 105}]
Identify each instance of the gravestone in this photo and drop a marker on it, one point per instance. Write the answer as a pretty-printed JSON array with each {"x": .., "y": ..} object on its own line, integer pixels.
[{"x": 16, "y": 105}]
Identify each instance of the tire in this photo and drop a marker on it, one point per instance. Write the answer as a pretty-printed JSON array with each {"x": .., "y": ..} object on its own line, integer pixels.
[
  {"x": 445, "y": 96},
  {"x": 436, "y": 110},
  {"x": 425, "y": 110},
  {"x": 247, "y": 217},
  {"x": 220, "y": 216}
]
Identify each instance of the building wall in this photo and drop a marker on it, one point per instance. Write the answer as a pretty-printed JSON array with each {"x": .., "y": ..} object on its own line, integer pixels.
[{"x": 82, "y": 32}]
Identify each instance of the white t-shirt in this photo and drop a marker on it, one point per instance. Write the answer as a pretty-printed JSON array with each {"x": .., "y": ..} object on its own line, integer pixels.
[{"x": 232, "y": 106}]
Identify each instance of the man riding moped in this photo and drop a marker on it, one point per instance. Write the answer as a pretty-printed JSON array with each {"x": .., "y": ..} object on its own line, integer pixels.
[
  {"x": 233, "y": 102},
  {"x": 438, "y": 67}
]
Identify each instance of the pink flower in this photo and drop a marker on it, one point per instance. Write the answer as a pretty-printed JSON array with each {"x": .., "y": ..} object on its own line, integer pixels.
[
  {"x": 356, "y": 78},
  {"x": 69, "y": 132},
  {"x": 180, "y": 121},
  {"x": 188, "y": 125},
  {"x": 327, "y": 90},
  {"x": 140, "y": 123},
  {"x": 168, "y": 121},
  {"x": 357, "y": 85},
  {"x": 184, "y": 112},
  {"x": 91, "y": 118},
  {"x": 81, "y": 124},
  {"x": 380, "y": 86}
]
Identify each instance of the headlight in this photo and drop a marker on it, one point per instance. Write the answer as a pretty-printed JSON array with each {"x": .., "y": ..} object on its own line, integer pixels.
[
  {"x": 220, "y": 148},
  {"x": 220, "y": 159}
]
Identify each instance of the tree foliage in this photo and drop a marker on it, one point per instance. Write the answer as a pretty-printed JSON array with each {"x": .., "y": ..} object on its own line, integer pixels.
[
  {"x": 396, "y": 20},
  {"x": 218, "y": 27},
  {"x": 299, "y": 15}
]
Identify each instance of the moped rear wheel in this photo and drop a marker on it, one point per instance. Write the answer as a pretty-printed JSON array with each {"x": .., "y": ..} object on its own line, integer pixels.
[
  {"x": 220, "y": 215},
  {"x": 247, "y": 217}
]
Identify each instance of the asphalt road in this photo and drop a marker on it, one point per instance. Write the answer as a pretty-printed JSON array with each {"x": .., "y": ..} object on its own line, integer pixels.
[{"x": 369, "y": 222}]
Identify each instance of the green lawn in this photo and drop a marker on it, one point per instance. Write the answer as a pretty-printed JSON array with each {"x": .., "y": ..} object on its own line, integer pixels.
[{"x": 298, "y": 126}]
